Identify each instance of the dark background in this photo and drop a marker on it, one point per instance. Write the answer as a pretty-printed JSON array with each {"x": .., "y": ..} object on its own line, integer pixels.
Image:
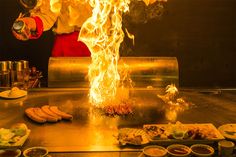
[{"x": 200, "y": 33}]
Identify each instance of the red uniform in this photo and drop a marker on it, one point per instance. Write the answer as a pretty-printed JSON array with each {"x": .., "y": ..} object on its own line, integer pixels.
[{"x": 65, "y": 45}]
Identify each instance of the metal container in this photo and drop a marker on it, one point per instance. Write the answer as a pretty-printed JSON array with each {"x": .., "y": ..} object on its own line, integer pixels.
[
  {"x": 10, "y": 67},
  {"x": 144, "y": 71},
  {"x": 26, "y": 73},
  {"x": 4, "y": 74},
  {"x": 17, "y": 75}
]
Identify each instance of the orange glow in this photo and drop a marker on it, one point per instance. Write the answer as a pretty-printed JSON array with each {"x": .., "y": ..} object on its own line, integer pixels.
[
  {"x": 103, "y": 34},
  {"x": 174, "y": 103},
  {"x": 55, "y": 6},
  {"x": 131, "y": 36},
  {"x": 147, "y": 2}
]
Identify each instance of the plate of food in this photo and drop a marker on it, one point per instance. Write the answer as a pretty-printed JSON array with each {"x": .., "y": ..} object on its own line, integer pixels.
[
  {"x": 132, "y": 136},
  {"x": 182, "y": 133},
  {"x": 13, "y": 137},
  {"x": 228, "y": 131},
  {"x": 14, "y": 93}
]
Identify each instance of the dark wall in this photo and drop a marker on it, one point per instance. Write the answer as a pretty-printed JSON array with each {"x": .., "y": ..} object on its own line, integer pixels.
[
  {"x": 200, "y": 33},
  {"x": 36, "y": 51}
]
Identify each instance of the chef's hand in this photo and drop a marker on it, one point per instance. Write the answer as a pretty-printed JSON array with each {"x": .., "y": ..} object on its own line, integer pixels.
[{"x": 23, "y": 27}]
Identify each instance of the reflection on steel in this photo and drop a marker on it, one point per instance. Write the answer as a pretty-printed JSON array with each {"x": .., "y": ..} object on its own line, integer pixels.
[
  {"x": 144, "y": 71},
  {"x": 89, "y": 131},
  {"x": 94, "y": 132},
  {"x": 174, "y": 103}
]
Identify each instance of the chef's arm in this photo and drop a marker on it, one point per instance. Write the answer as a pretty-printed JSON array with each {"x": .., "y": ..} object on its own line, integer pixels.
[
  {"x": 41, "y": 19},
  {"x": 27, "y": 28}
]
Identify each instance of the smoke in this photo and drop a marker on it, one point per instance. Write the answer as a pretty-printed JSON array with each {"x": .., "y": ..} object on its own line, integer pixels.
[{"x": 140, "y": 13}]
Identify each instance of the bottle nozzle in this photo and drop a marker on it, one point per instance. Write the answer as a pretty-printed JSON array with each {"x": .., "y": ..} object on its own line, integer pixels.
[{"x": 18, "y": 26}]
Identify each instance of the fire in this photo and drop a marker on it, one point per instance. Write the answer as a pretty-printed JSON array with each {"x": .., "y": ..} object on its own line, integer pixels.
[
  {"x": 174, "y": 103},
  {"x": 147, "y": 2},
  {"x": 103, "y": 34},
  {"x": 55, "y": 6},
  {"x": 130, "y": 36}
]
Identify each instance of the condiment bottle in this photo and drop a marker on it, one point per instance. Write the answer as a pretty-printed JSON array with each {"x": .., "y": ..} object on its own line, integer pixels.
[
  {"x": 10, "y": 68},
  {"x": 17, "y": 75},
  {"x": 4, "y": 74},
  {"x": 26, "y": 73}
]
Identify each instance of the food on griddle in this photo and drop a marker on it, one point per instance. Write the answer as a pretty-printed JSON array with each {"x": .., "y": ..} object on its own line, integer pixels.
[
  {"x": 44, "y": 115},
  {"x": 48, "y": 111},
  {"x": 58, "y": 112},
  {"x": 47, "y": 114},
  {"x": 32, "y": 115},
  {"x": 132, "y": 136},
  {"x": 119, "y": 110},
  {"x": 180, "y": 131}
]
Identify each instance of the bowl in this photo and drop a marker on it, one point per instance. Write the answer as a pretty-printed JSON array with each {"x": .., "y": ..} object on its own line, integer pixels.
[
  {"x": 225, "y": 148},
  {"x": 202, "y": 150},
  {"x": 35, "y": 152},
  {"x": 178, "y": 150},
  {"x": 154, "y": 151},
  {"x": 10, "y": 153}
]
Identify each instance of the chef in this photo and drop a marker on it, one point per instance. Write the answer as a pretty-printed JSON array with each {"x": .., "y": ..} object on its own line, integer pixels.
[{"x": 64, "y": 17}]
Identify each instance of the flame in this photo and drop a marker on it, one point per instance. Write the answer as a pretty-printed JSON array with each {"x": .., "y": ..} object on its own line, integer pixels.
[
  {"x": 148, "y": 2},
  {"x": 131, "y": 36},
  {"x": 103, "y": 34},
  {"x": 174, "y": 103},
  {"x": 55, "y": 6}
]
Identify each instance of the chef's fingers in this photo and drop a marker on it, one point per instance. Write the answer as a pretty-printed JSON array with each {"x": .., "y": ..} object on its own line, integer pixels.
[
  {"x": 24, "y": 35},
  {"x": 29, "y": 22}
]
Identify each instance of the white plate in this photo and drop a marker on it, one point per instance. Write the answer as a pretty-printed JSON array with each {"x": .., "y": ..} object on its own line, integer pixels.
[
  {"x": 228, "y": 131},
  {"x": 5, "y": 94},
  {"x": 167, "y": 141},
  {"x": 17, "y": 144}
]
